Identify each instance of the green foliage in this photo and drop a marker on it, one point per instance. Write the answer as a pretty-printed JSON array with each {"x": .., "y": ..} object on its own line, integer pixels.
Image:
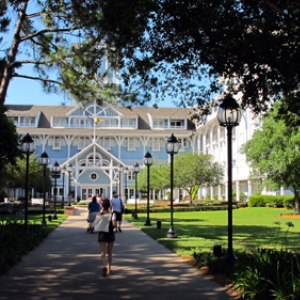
[
  {"x": 64, "y": 44},
  {"x": 272, "y": 201},
  {"x": 194, "y": 191},
  {"x": 273, "y": 155},
  {"x": 14, "y": 175},
  {"x": 192, "y": 170},
  {"x": 189, "y": 42},
  {"x": 15, "y": 242}
]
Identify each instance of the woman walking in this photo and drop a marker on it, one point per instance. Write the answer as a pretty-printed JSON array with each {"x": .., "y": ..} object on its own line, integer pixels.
[{"x": 106, "y": 238}]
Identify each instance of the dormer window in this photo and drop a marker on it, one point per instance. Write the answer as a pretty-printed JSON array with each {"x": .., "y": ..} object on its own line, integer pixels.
[
  {"x": 159, "y": 123},
  {"x": 177, "y": 124},
  {"x": 60, "y": 122},
  {"x": 28, "y": 121}
]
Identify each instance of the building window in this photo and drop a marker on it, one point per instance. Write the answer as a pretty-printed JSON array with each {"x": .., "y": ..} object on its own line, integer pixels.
[
  {"x": 176, "y": 123},
  {"x": 131, "y": 146},
  {"x": 94, "y": 176},
  {"x": 156, "y": 144},
  {"x": 81, "y": 143},
  {"x": 56, "y": 143}
]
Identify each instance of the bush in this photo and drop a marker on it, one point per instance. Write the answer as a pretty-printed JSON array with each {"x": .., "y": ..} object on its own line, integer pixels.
[
  {"x": 264, "y": 274},
  {"x": 15, "y": 242},
  {"x": 271, "y": 201}
]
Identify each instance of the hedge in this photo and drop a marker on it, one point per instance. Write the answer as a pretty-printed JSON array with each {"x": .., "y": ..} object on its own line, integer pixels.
[{"x": 271, "y": 201}]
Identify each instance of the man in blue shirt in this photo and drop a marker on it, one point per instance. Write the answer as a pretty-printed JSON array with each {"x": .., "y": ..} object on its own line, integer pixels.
[{"x": 117, "y": 208}]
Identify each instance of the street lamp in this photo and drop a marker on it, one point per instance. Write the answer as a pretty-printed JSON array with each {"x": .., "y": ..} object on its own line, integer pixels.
[
  {"x": 126, "y": 192},
  {"x": 229, "y": 115},
  {"x": 136, "y": 169},
  {"x": 172, "y": 148},
  {"x": 64, "y": 170},
  {"x": 148, "y": 163},
  {"x": 120, "y": 182},
  {"x": 55, "y": 175},
  {"x": 44, "y": 162},
  {"x": 27, "y": 147},
  {"x": 70, "y": 170}
]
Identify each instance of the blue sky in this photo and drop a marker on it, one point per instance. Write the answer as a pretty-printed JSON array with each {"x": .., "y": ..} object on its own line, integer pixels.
[{"x": 24, "y": 91}]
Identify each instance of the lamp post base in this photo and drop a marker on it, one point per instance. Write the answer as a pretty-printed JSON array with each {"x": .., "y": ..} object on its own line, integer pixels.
[
  {"x": 134, "y": 215},
  {"x": 231, "y": 258},
  {"x": 171, "y": 233},
  {"x": 148, "y": 223},
  {"x": 54, "y": 216},
  {"x": 44, "y": 223}
]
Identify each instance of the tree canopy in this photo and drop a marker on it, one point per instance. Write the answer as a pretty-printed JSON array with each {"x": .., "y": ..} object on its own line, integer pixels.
[
  {"x": 180, "y": 49},
  {"x": 62, "y": 42},
  {"x": 274, "y": 153},
  {"x": 191, "y": 171}
]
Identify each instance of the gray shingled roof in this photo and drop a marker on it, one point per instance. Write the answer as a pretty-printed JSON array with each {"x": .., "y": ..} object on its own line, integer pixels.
[{"x": 143, "y": 113}]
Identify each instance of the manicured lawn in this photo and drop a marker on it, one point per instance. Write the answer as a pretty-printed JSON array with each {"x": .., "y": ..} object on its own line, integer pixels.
[{"x": 252, "y": 228}]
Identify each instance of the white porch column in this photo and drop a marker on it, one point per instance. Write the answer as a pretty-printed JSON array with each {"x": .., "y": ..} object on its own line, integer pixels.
[
  {"x": 249, "y": 189},
  {"x": 237, "y": 187},
  {"x": 219, "y": 192}
]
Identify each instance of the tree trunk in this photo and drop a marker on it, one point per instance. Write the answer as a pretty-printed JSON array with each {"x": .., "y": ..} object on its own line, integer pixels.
[{"x": 9, "y": 67}]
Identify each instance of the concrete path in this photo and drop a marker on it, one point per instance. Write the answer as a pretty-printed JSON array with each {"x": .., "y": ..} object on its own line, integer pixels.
[{"x": 67, "y": 265}]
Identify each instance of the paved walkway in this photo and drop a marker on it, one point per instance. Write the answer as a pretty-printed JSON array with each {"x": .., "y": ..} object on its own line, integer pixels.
[{"x": 67, "y": 266}]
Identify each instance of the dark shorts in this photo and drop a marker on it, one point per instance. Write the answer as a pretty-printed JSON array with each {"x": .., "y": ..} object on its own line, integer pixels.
[
  {"x": 106, "y": 237},
  {"x": 118, "y": 216}
]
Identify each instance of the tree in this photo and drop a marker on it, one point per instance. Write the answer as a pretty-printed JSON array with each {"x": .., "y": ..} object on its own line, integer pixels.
[
  {"x": 178, "y": 48},
  {"x": 192, "y": 170},
  {"x": 274, "y": 153},
  {"x": 14, "y": 175},
  {"x": 61, "y": 40},
  {"x": 159, "y": 177},
  {"x": 9, "y": 142}
]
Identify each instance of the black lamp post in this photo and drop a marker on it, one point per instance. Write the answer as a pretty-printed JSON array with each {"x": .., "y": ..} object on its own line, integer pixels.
[
  {"x": 148, "y": 163},
  {"x": 136, "y": 169},
  {"x": 27, "y": 147},
  {"x": 229, "y": 115},
  {"x": 172, "y": 148},
  {"x": 120, "y": 182},
  {"x": 63, "y": 171},
  {"x": 70, "y": 170},
  {"x": 126, "y": 192},
  {"x": 55, "y": 174},
  {"x": 44, "y": 162}
]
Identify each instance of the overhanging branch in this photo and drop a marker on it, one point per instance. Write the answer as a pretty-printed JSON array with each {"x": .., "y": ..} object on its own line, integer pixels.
[{"x": 36, "y": 78}]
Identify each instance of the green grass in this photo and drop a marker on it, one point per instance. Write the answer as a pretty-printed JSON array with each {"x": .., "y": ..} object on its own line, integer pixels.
[
  {"x": 252, "y": 228},
  {"x": 36, "y": 219}
]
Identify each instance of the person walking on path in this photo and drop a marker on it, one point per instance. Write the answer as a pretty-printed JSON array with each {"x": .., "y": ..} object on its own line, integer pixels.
[
  {"x": 117, "y": 208},
  {"x": 106, "y": 239},
  {"x": 93, "y": 208}
]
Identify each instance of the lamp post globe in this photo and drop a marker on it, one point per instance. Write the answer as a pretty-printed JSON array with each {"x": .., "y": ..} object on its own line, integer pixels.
[
  {"x": 172, "y": 148},
  {"x": 27, "y": 147},
  {"x": 44, "y": 162},
  {"x": 148, "y": 163},
  {"x": 136, "y": 170},
  {"x": 229, "y": 115},
  {"x": 55, "y": 174}
]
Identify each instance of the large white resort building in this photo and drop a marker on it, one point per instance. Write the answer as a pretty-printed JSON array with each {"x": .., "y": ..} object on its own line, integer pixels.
[{"x": 122, "y": 137}]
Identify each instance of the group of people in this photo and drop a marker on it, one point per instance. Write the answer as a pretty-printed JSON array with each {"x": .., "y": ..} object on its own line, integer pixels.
[{"x": 99, "y": 208}]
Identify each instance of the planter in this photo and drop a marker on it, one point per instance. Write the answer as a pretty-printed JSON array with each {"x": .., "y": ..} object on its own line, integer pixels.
[{"x": 69, "y": 210}]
